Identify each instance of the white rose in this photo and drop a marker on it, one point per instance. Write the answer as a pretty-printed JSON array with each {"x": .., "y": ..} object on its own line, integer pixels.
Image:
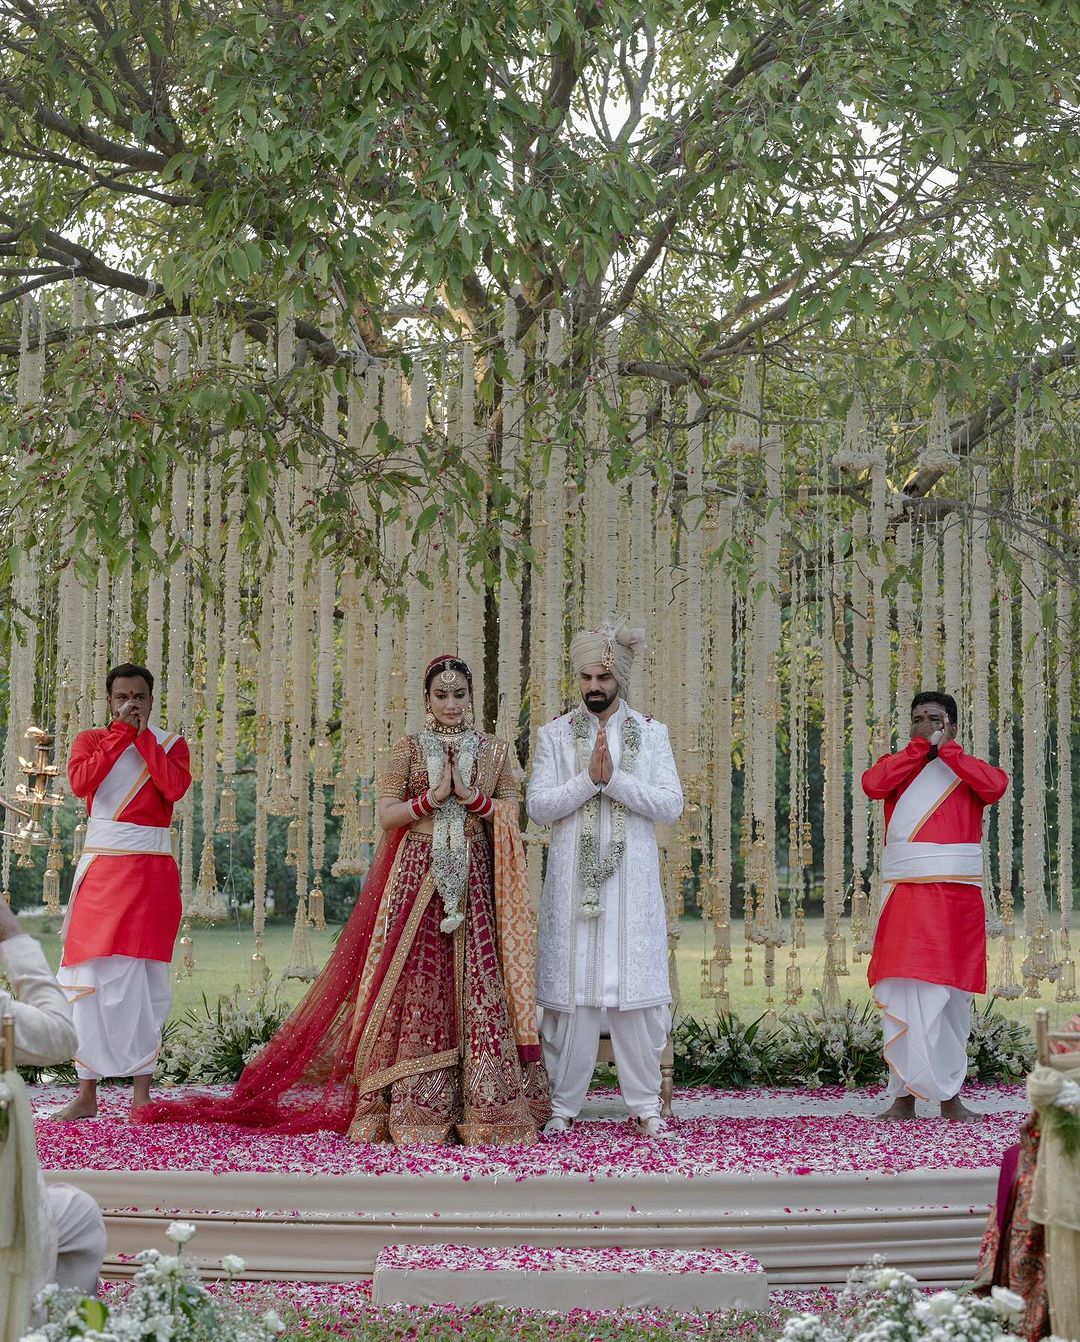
[
  {"x": 1007, "y": 1302},
  {"x": 887, "y": 1277},
  {"x": 180, "y": 1232},
  {"x": 232, "y": 1264},
  {"x": 34, "y": 1337},
  {"x": 941, "y": 1303},
  {"x": 272, "y": 1321}
]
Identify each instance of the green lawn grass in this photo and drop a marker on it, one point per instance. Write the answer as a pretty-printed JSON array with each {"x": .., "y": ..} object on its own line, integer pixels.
[{"x": 223, "y": 960}]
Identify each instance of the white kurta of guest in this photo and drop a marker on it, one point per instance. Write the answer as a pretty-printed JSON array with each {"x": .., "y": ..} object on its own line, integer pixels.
[{"x": 620, "y": 958}]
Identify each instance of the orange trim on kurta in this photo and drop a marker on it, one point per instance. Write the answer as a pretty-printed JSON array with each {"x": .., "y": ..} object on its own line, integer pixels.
[{"x": 134, "y": 790}]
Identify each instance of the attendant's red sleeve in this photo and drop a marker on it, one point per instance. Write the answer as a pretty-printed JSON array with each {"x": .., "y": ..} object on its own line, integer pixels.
[
  {"x": 170, "y": 771},
  {"x": 891, "y": 772},
  {"x": 985, "y": 780},
  {"x": 93, "y": 754}
]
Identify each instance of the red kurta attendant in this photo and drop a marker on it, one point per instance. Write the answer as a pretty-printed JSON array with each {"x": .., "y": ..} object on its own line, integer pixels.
[
  {"x": 930, "y": 946},
  {"x": 125, "y": 906},
  {"x": 935, "y": 930},
  {"x": 128, "y": 903}
]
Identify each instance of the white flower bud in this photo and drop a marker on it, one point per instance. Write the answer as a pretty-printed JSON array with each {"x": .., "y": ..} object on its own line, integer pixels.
[
  {"x": 1008, "y": 1303},
  {"x": 180, "y": 1232},
  {"x": 941, "y": 1303},
  {"x": 232, "y": 1264}
]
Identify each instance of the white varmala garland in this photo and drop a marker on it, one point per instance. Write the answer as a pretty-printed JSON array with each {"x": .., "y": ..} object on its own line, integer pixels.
[
  {"x": 449, "y": 850},
  {"x": 594, "y": 868}
]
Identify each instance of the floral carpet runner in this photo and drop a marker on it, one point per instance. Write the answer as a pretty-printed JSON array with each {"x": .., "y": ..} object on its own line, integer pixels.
[{"x": 762, "y": 1131}]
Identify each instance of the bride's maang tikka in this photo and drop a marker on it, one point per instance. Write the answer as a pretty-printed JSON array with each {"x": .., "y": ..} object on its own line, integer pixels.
[{"x": 446, "y": 676}]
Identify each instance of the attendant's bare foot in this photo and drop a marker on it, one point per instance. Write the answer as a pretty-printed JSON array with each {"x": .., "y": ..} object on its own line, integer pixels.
[
  {"x": 956, "y": 1111},
  {"x": 142, "y": 1092},
  {"x": 84, "y": 1105},
  {"x": 902, "y": 1107}
]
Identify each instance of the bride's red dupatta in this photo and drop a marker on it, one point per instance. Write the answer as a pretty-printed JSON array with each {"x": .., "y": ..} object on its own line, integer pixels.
[{"x": 302, "y": 1080}]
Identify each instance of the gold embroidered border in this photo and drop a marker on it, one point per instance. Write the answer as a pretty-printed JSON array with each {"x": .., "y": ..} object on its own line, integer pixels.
[
  {"x": 389, "y": 986},
  {"x": 477, "y": 1132},
  {"x": 378, "y": 937},
  {"x": 417, "y": 1134},
  {"x": 434, "y": 1062},
  {"x": 459, "y": 955},
  {"x": 364, "y": 1131}
]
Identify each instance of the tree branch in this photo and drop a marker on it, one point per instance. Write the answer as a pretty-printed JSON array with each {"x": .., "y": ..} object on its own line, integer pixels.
[{"x": 966, "y": 435}]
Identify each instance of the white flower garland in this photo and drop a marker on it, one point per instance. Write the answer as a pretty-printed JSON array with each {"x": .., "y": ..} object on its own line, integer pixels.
[
  {"x": 449, "y": 853},
  {"x": 596, "y": 869}
]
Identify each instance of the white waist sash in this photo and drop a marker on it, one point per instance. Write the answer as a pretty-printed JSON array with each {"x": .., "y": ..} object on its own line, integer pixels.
[
  {"x": 114, "y": 838},
  {"x": 902, "y": 861},
  {"x": 120, "y": 836}
]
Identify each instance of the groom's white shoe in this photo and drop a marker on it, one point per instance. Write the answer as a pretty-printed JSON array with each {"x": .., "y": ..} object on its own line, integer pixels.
[
  {"x": 649, "y": 1127},
  {"x": 557, "y": 1127}
]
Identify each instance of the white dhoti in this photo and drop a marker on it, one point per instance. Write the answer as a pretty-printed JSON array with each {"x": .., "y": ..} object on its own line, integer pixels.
[
  {"x": 571, "y": 1039},
  {"x": 119, "y": 1004},
  {"x": 925, "y": 1028}
]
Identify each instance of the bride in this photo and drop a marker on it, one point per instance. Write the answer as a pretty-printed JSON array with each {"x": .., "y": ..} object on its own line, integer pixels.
[{"x": 422, "y": 1025}]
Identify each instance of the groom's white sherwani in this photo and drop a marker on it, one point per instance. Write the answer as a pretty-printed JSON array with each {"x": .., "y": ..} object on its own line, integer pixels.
[{"x": 617, "y": 961}]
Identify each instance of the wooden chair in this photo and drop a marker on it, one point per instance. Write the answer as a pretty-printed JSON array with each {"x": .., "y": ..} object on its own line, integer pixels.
[
  {"x": 1044, "y": 1037},
  {"x": 606, "y": 1054}
]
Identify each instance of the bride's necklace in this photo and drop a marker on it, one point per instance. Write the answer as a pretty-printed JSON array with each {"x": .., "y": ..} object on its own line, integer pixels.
[{"x": 440, "y": 730}]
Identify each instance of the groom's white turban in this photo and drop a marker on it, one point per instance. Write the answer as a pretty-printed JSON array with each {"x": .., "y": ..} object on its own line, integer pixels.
[{"x": 613, "y": 646}]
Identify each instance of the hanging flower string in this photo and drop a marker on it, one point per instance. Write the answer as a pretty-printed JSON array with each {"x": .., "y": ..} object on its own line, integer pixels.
[
  {"x": 596, "y": 869},
  {"x": 449, "y": 849}
]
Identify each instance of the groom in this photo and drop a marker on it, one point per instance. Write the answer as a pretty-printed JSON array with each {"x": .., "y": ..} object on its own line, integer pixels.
[{"x": 603, "y": 777}]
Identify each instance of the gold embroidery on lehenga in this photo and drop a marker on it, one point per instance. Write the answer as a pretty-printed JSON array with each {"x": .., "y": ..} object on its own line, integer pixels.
[
  {"x": 378, "y": 938},
  {"x": 389, "y": 985}
]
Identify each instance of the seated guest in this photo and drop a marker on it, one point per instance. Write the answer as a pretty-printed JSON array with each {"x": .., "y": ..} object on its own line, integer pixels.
[{"x": 70, "y": 1226}]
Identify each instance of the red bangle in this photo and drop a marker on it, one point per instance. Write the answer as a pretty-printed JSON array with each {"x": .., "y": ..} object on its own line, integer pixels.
[
  {"x": 481, "y": 805},
  {"x": 421, "y": 807}
]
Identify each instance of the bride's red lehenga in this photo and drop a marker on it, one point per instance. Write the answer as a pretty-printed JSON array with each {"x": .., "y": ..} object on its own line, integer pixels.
[{"x": 411, "y": 1034}]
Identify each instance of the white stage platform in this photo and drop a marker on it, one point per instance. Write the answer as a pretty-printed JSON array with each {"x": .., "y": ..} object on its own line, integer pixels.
[
  {"x": 805, "y": 1225},
  {"x": 524, "y": 1277}
]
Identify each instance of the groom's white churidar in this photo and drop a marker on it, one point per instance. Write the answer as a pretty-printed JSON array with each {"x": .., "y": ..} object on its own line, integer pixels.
[{"x": 603, "y": 950}]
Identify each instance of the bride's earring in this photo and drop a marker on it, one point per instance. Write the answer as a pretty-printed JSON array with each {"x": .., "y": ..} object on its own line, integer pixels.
[
  {"x": 470, "y": 720},
  {"x": 429, "y": 720}
]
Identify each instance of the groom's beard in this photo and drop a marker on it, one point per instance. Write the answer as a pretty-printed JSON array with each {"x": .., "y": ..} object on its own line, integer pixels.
[{"x": 596, "y": 701}]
